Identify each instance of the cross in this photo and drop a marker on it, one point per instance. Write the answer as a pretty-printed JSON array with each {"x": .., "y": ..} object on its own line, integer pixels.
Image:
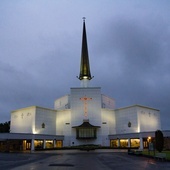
[
  {"x": 22, "y": 115},
  {"x": 85, "y": 99},
  {"x": 84, "y": 18}
]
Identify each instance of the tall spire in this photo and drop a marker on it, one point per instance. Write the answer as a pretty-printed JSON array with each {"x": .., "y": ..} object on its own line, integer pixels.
[{"x": 84, "y": 65}]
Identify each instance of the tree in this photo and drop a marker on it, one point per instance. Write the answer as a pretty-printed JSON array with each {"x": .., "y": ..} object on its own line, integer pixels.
[
  {"x": 5, "y": 127},
  {"x": 159, "y": 140}
]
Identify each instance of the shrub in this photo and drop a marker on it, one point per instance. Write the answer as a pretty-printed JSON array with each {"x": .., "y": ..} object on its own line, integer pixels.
[{"x": 159, "y": 140}]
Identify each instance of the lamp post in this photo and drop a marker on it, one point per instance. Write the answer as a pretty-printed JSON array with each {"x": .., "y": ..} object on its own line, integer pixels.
[
  {"x": 151, "y": 145},
  {"x": 149, "y": 139}
]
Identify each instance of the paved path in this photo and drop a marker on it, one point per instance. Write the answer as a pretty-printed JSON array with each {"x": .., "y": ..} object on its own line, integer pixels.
[{"x": 80, "y": 160}]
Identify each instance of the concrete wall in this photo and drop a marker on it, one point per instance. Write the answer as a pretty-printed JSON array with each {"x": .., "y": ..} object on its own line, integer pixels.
[
  {"x": 124, "y": 116},
  {"x": 148, "y": 119},
  {"x": 30, "y": 120},
  {"x": 93, "y": 108},
  {"x": 107, "y": 102},
  {"x": 63, "y": 122},
  {"x": 62, "y": 103},
  {"x": 141, "y": 118},
  {"x": 108, "y": 125},
  {"x": 64, "y": 126},
  {"x": 23, "y": 120},
  {"x": 108, "y": 117},
  {"x": 48, "y": 118}
]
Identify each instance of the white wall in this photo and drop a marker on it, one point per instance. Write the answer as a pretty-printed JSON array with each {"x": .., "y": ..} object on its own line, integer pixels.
[
  {"x": 148, "y": 119},
  {"x": 23, "y": 120},
  {"x": 63, "y": 125},
  {"x": 142, "y": 118},
  {"x": 62, "y": 103},
  {"x": 30, "y": 119},
  {"x": 93, "y": 111},
  {"x": 123, "y": 117},
  {"x": 63, "y": 122},
  {"x": 107, "y": 102},
  {"x": 108, "y": 125},
  {"x": 108, "y": 117},
  {"x": 93, "y": 106},
  {"x": 48, "y": 117}
]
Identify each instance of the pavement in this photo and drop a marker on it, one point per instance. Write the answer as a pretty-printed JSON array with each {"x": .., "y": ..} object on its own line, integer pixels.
[{"x": 107, "y": 159}]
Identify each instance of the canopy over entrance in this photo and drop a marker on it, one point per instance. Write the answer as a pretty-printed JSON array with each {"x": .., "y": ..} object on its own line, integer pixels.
[{"x": 86, "y": 130}]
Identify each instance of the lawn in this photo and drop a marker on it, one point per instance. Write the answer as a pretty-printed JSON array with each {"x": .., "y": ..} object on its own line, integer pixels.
[{"x": 151, "y": 153}]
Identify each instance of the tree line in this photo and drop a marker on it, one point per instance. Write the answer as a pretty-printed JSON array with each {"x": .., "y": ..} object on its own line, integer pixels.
[{"x": 5, "y": 127}]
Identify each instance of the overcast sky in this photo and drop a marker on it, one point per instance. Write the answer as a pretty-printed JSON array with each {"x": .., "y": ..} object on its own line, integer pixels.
[{"x": 128, "y": 42}]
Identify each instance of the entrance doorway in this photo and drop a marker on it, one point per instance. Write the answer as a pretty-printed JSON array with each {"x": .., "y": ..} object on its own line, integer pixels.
[
  {"x": 59, "y": 143},
  {"x": 28, "y": 145}
]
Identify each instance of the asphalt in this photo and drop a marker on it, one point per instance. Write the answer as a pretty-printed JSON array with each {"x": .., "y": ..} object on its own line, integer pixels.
[{"x": 79, "y": 160}]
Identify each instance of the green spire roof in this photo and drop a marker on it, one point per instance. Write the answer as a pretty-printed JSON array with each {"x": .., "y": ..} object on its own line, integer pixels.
[{"x": 84, "y": 65}]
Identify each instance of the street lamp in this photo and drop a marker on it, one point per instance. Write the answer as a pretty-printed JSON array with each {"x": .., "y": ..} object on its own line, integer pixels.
[{"x": 149, "y": 139}]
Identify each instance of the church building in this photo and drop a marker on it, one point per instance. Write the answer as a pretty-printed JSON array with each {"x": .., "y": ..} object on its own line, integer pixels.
[{"x": 84, "y": 117}]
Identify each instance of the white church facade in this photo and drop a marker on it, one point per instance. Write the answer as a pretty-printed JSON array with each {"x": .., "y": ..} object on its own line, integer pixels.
[{"x": 83, "y": 117}]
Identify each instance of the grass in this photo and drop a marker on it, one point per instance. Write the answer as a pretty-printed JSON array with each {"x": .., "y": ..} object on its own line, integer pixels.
[{"x": 151, "y": 153}]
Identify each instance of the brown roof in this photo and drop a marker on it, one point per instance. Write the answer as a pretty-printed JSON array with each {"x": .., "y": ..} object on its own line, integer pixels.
[{"x": 86, "y": 124}]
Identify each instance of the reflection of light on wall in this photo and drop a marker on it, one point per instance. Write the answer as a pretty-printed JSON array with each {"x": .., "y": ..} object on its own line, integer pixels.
[
  {"x": 149, "y": 122},
  {"x": 108, "y": 116},
  {"x": 34, "y": 132},
  {"x": 61, "y": 115},
  {"x": 138, "y": 129},
  {"x": 33, "y": 129}
]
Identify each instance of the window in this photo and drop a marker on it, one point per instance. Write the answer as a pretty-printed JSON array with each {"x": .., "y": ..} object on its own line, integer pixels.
[
  {"x": 86, "y": 133},
  {"x": 43, "y": 125}
]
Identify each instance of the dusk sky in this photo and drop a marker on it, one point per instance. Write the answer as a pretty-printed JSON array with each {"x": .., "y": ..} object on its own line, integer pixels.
[{"x": 128, "y": 43}]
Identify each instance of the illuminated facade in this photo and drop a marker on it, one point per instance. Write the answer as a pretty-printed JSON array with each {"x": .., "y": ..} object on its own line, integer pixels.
[{"x": 85, "y": 116}]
